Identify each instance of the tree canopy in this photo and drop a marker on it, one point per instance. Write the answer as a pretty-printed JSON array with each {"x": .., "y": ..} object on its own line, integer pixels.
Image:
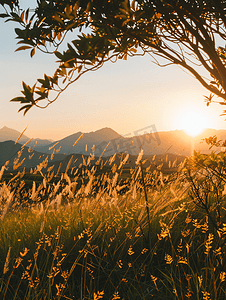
[{"x": 188, "y": 33}]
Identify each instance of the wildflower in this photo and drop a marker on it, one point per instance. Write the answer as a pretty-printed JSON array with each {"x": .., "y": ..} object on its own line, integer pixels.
[
  {"x": 25, "y": 275},
  {"x": 205, "y": 227},
  {"x": 112, "y": 239},
  {"x": 65, "y": 274},
  {"x": 80, "y": 236},
  {"x": 185, "y": 233},
  {"x": 180, "y": 246},
  {"x": 36, "y": 281},
  {"x": 98, "y": 296},
  {"x": 6, "y": 265},
  {"x": 188, "y": 294},
  {"x": 116, "y": 296},
  {"x": 17, "y": 262},
  {"x": 208, "y": 243},
  {"x": 128, "y": 234},
  {"x": 182, "y": 260},
  {"x": 120, "y": 264},
  {"x": 206, "y": 295},
  {"x": 29, "y": 266},
  {"x": 168, "y": 259},
  {"x": 217, "y": 251},
  {"x": 123, "y": 162},
  {"x": 3, "y": 169},
  {"x": 188, "y": 277},
  {"x": 130, "y": 251},
  {"x": 144, "y": 250},
  {"x": 200, "y": 279},
  {"x": 114, "y": 180},
  {"x": 60, "y": 261},
  {"x": 52, "y": 155},
  {"x": 59, "y": 288},
  {"x": 54, "y": 272},
  {"x": 195, "y": 224},
  {"x": 222, "y": 276},
  {"x": 154, "y": 279},
  {"x": 48, "y": 240},
  {"x": 90, "y": 272},
  {"x": 139, "y": 157},
  {"x": 165, "y": 231},
  {"x": 7, "y": 205},
  {"x": 188, "y": 246},
  {"x": 25, "y": 252},
  {"x": 222, "y": 231}
]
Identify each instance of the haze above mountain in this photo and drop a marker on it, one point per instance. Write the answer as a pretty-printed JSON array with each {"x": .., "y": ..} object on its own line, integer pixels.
[{"x": 175, "y": 142}]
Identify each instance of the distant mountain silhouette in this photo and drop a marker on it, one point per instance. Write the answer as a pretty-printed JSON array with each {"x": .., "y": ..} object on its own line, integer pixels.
[
  {"x": 59, "y": 162},
  {"x": 175, "y": 142},
  {"x": 85, "y": 144},
  {"x": 9, "y": 134},
  {"x": 38, "y": 143},
  {"x": 9, "y": 152},
  {"x": 172, "y": 144}
]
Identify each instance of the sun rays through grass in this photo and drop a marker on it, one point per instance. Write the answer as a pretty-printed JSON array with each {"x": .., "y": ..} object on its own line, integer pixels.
[{"x": 91, "y": 234}]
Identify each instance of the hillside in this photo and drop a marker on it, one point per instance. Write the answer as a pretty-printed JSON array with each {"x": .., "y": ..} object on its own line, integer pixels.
[
  {"x": 9, "y": 134},
  {"x": 15, "y": 154}
]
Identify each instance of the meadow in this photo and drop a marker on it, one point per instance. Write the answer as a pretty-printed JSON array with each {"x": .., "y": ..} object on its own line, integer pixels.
[{"x": 84, "y": 234}]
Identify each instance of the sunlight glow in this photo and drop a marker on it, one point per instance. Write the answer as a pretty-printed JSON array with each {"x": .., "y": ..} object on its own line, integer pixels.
[{"x": 193, "y": 123}]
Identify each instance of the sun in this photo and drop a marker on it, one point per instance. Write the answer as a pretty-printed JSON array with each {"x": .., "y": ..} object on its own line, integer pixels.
[{"x": 193, "y": 123}]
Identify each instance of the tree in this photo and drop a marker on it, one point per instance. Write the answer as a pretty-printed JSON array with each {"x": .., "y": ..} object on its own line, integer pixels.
[{"x": 189, "y": 33}]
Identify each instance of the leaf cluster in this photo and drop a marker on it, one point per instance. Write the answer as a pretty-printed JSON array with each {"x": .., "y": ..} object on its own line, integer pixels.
[
  {"x": 180, "y": 32},
  {"x": 207, "y": 180}
]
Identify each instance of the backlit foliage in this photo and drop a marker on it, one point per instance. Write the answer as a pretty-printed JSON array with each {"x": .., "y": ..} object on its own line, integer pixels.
[
  {"x": 190, "y": 34},
  {"x": 77, "y": 238}
]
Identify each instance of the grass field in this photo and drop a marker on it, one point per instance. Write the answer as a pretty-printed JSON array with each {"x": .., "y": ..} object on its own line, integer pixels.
[{"x": 91, "y": 235}]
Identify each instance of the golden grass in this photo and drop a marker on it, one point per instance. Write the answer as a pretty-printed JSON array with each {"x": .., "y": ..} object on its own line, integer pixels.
[{"x": 90, "y": 236}]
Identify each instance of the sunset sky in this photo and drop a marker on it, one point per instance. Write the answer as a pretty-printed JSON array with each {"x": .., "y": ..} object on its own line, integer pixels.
[{"x": 125, "y": 96}]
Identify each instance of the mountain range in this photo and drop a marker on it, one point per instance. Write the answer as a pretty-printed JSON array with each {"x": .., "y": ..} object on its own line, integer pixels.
[
  {"x": 9, "y": 134},
  {"x": 106, "y": 142}
]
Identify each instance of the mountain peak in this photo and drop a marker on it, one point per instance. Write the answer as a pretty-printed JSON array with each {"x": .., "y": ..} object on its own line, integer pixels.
[
  {"x": 110, "y": 133},
  {"x": 7, "y": 134},
  {"x": 5, "y": 128}
]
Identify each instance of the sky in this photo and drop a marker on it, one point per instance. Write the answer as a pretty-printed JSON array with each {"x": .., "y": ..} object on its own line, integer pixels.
[{"x": 126, "y": 96}]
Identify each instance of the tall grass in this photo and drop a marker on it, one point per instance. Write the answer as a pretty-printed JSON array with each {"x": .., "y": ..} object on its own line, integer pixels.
[{"x": 92, "y": 235}]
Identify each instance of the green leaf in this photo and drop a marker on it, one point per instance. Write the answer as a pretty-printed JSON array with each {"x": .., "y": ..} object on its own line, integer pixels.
[
  {"x": 59, "y": 55},
  {"x": 3, "y": 15},
  {"x": 28, "y": 92},
  {"x": 45, "y": 82},
  {"x": 58, "y": 19},
  {"x": 14, "y": 15},
  {"x": 22, "y": 16},
  {"x": 32, "y": 52},
  {"x": 18, "y": 99},
  {"x": 25, "y": 108},
  {"x": 26, "y": 15},
  {"x": 19, "y": 32},
  {"x": 23, "y": 48},
  {"x": 54, "y": 79}
]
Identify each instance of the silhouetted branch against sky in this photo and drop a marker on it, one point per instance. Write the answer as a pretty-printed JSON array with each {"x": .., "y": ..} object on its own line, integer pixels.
[{"x": 182, "y": 32}]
